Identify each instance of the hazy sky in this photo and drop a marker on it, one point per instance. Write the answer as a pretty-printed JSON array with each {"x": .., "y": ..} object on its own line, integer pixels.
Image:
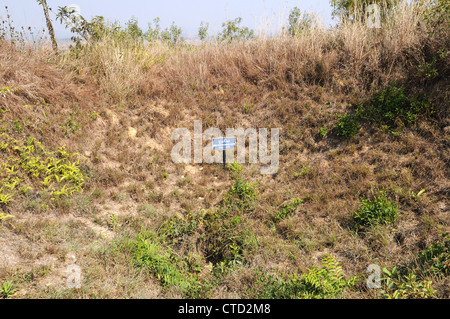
[{"x": 187, "y": 14}]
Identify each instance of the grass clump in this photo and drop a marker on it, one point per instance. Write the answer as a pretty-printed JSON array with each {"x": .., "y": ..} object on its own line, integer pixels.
[{"x": 379, "y": 210}]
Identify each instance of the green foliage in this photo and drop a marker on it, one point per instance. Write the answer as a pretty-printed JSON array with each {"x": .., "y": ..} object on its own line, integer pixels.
[
  {"x": 436, "y": 258},
  {"x": 242, "y": 195},
  {"x": 393, "y": 108},
  {"x": 300, "y": 23},
  {"x": 7, "y": 290},
  {"x": 287, "y": 210},
  {"x": 4, "y": 217},
  {"x": 233, "y": 31},
  {"x": 427, "y": 70},
  {"x": 380, "y": 210},
  {"x": 224, "y": 238},
  {"x": 304, "y": 171},
  {"x": 438, "y": 17},
  {"x": 346, "y": 126},
  {"x": 70, "y": 127},
  {"x": 405, "y": 286},
  {"x": 27, "y": 166},
  {"x": 176, "y": 228},
  {"x": 319, "y": 283},
  {"x": 323, "y": 131},
  {"x": 203, "y": 31},
  {"x": 164, "y": 264}
]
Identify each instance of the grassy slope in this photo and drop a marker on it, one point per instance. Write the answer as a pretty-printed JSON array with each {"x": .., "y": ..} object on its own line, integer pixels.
[{"x": 118, "y": 115}]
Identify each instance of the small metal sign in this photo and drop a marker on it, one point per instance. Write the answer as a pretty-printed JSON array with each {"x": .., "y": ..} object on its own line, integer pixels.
[{"x": 222, "y": 144}]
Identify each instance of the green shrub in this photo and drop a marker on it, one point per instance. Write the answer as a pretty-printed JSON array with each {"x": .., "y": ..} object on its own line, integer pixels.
[
  {"x": 436, "y": 258},
  {"x": 164, "y": 264},
  {"x": 406, "y": 286},
  {"x": 380, "y": 210},
  {"x": 287, "y": 209},
  {"x": 319, "y": 283},
  {"x": 393, "y": 108},
  {"x": 346, "y": 126}
]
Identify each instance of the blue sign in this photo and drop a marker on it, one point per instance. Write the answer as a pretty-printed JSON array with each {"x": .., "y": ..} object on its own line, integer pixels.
[{"x": 222, "y": 144}]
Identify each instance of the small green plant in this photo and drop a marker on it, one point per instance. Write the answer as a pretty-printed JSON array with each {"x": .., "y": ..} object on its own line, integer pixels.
[
  {"x": 304, "y": 171},
  {"x": 165, "y": 265},
  {"x": 323, "y": 131},
  {"x": 7, "y": 290},
  {"x": 203, "y": 31},
  {"x": 287, "y": 209},
  {"x": 405, "y": 286},
  {"x": 380, "y": 210},
  {"x": 18, "y": 127},
  {"x": 4, "y": 217},
  {"x": 70, "y": 127},
  {"x": 393, "y": 108},
  {"x": 418, "y": 195},
  {"x": 318, "y": 283},
  {"x": 236, "y": 168},
  {"x": 346, "y": 126},
  {"x": 436, "y": 258}
]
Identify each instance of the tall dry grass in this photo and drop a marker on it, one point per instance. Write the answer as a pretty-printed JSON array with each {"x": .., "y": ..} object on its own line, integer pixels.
[{"x": 349, "y": 56}]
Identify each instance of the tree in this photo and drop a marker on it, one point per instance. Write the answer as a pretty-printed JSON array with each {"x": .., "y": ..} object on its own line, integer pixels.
[
  {"x": 300, "y": 23},
  {"x": 233, "y": 31},
  {"x": 345, "y": 9},
  {"x": 44, "y": 5}
]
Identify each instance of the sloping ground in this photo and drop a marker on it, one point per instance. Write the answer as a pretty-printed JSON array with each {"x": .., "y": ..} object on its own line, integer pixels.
[{"x": 144, "y": 227}]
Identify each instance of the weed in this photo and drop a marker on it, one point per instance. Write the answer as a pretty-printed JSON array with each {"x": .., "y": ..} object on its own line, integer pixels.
[
  {"x": 287, "y": 209},
  {"x": 323, "y": 131},
  {"x": 346, "y": 126},
  {"x": 436, "y": 258},
  {"x": 380, "y": 210},
  {"x": 7, "y": 290},
  {"x": 319, "y": 283},
  {"x": 406, "y": 286}
]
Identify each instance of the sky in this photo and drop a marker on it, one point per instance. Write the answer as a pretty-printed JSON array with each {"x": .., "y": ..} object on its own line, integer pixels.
[{"x": 187, "y": 14}]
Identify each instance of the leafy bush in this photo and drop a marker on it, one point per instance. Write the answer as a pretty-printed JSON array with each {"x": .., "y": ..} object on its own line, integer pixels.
[
  {"x": 406, "y": 286},
  {"x": 319, "y": 283},
  {"x": 7, "y": 289},
  {"x": 163, "y": 263},
  {"x": 346, "y": 126},
  {"x": 392, "y": 107},
  {"x": 241, "y": 196},
  {"x": 380, "y": 210},
  {"x": 224, "y": 237},
  {"x": 436, "y": 258}
]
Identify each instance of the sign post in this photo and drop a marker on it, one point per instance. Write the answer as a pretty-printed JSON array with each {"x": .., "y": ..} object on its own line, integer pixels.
[{"x": 223, "y": 144}]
